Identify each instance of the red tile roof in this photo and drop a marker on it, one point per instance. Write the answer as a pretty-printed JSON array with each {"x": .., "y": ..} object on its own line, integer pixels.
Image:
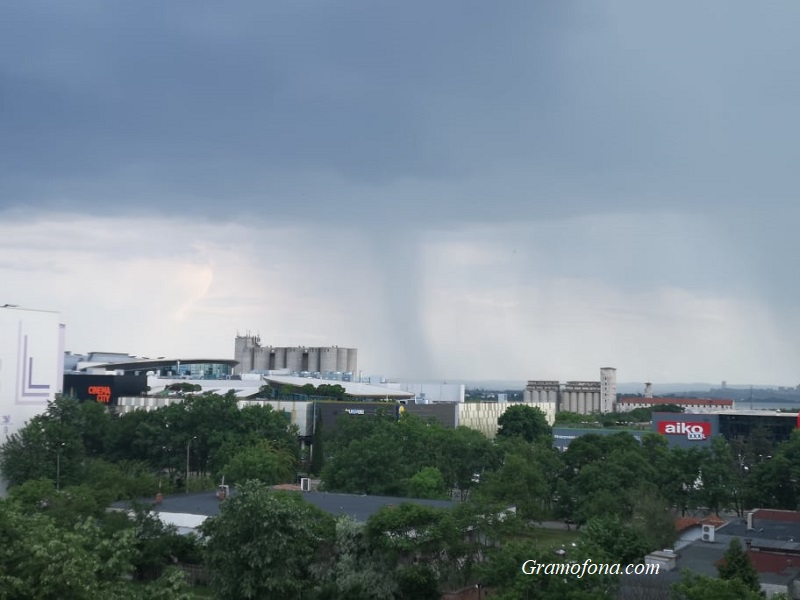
[
  {"x": 769, "y": 562},
  {"x": 784, "y": 516},
  {"x": 678, "y": 401},
  {"x": 287, "y": 487},
  {"x": 684, "y": 523}
]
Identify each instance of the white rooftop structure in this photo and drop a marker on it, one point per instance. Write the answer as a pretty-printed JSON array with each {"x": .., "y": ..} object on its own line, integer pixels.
[{"x": 351, "y": 388}]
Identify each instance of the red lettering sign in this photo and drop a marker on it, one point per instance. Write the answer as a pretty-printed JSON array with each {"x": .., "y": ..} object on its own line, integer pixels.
[
  {"x": 693, "y": 430},
  {"x": 101, "y": 393}
]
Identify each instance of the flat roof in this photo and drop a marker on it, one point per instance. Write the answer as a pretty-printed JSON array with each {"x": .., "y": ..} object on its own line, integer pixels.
[
  {"x": 678, "y": 401},
  {"x": 738, "y": 413},
  {"x": 148, "y": 363},
  {"x": 351, "y": 388},
  {"x": 358, "y": 507}
]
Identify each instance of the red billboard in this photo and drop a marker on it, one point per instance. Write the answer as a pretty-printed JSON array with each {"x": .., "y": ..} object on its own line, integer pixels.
[{"x": 692, "y": 430}]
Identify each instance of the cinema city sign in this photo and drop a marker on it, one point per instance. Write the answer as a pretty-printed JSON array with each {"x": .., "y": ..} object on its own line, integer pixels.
[{"x": 693, "y": 430}]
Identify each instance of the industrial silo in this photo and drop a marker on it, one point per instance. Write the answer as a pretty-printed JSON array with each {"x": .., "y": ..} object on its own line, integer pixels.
[
  {"x": 280, "y": 358},
  {"x": 327, "y": 360},
  {"x": 341, "y": 359},
  {"x": 294, "y": 359},
  {"x": 313, "y": 360},
  {"x": 260, "y": 359},
  {"x": 352, "y": 360}
]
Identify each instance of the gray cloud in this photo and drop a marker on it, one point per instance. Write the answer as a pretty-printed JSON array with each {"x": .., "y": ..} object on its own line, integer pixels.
[{"x": 655, "y": 145}]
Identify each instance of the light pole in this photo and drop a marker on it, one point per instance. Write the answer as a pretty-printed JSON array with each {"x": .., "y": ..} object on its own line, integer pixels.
[{"x": 188, "y": 445}]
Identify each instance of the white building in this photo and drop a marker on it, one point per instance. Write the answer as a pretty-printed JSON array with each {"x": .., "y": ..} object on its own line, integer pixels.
[{"x": 31, "y": 365}]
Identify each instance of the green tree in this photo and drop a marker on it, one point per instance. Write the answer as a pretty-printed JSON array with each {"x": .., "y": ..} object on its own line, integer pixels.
[
  {"x": 521, "y": 480},
  {"x": 717, "y": 476},
  {"x": 503, "y": 573},
  {"x": 49, "y": 445},
  {"x": 264, "y": 544},
  {"x": 39, "y": 559},
  {"x": 527, "y": 422},
  {"x": 418, "y": 582},
  {"x": 698, "y": 587},
  {"x": 263, "y": 462},
  {"x": 410, "y": 533},
  {"x": 427, "y": 483},
  {"x": 737, "y": 565},
  {"x": 614, "y": 541},
  {"x": 355, "y": 570}
]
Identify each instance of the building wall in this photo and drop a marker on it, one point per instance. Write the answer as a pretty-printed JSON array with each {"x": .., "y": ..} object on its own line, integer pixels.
[
  {"x": 483, "y": 415},
  {"x": 31, "y": 366},
  {"x": 299, "y": 413},
  {"x": 126, "y": 404},
  {"x": 445, "y": 414},
  {"x": 683, "y": 422},
  {"x": 105, "y": 389}
]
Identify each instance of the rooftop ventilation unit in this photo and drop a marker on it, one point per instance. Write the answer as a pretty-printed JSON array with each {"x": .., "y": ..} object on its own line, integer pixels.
[{"x": 708, "y": 533}]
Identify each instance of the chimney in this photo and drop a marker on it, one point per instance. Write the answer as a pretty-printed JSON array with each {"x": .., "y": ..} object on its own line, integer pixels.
[{"x": 750, "y": 520}]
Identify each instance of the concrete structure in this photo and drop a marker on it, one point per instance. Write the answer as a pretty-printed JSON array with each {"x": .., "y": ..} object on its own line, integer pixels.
[
  {"x": 251, "y": 356},
  {"x": 430, "y": 393},
  {"x": 31, "y": 365},
  {"x": 582, "y": 397},
  {"x": 543, "y": 395},
  {"x": 608, "y": 389}
]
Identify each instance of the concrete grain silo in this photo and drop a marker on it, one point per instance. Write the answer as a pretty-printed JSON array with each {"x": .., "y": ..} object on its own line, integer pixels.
[
  {"x": 279, "y": 361},
  {"x": 312, "y": 364},
  {"x": 341, "y": 359},
  {"x": 327, "y": 360},
  {"x": 294, "y": 359},
  {"x": 260, "y": 359},
  {"x": 352, "y": 360}
]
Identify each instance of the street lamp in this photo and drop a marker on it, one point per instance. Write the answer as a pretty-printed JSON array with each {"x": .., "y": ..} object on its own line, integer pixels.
[{"x": 188, "y": 445}]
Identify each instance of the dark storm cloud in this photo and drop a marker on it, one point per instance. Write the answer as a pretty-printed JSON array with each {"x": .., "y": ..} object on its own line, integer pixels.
[{"x": 467, "y": 110}]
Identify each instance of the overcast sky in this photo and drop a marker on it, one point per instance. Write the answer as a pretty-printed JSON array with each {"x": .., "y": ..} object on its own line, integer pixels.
[{"x": 461, "y": 190}]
